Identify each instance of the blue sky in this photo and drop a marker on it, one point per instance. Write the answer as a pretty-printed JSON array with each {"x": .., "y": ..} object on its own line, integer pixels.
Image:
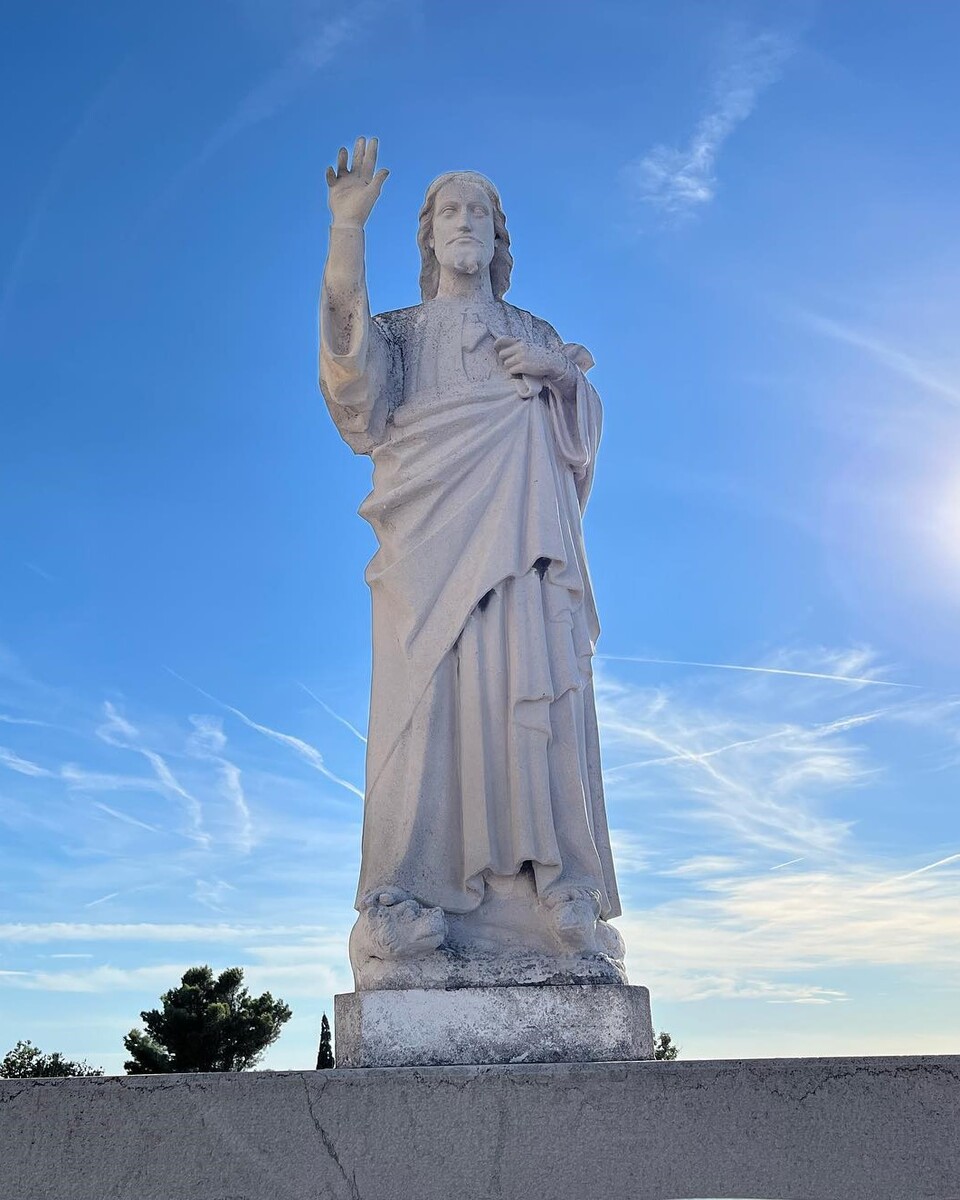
[{"x": 748, "y": 213}]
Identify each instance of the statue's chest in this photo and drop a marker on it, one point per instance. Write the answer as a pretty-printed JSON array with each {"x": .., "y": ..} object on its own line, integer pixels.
[{"x": 453, "y": 351}]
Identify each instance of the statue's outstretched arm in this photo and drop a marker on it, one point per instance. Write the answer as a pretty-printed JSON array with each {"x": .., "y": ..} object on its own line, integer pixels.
[
  {"x": 354, "y": 356},
  {"x": 352, "y": 193}
]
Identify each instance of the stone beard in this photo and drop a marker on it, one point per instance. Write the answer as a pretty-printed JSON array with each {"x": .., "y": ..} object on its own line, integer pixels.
[{"x": 486, "y": 855}]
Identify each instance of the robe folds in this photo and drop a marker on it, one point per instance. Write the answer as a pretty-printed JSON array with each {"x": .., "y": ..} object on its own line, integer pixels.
[{"x": 483, "y": 752}]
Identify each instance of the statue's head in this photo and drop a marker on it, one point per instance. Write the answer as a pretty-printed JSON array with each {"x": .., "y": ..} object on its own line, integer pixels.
[{"x": 462, "y": 227}]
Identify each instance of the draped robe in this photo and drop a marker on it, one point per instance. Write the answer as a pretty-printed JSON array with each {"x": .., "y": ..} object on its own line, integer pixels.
[{"x": 483, "y": 753}]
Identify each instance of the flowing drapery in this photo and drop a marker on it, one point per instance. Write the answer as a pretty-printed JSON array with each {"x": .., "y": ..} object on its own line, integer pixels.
[{"x": 483, "y": 751}]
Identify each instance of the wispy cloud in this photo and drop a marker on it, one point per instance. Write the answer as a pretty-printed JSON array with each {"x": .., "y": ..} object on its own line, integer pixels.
[
  {"x": 629, "y": 851},
  {"x": 755, "y": 751},
  {"x": 211, "y": 893},
  {"x": 763, "y": 794},
  {"x": 310, "y": 754},
  {"x": 83, "y": 780},
  {"x": 678, "y": 181},
  {"x": 38, "y": 570},
  {"x": 758, "y": 796},
  {"x": 756, "y": 934},
  {"x": 208, "y": 741},
  {"x": 788, "y": 731},
  {"x": 23, "y": 766},
  {"x": 6, "y": 719},
  {"x": 315, "y": 50},
  {"x": 117, "y": 731},
  {"x": 146, "y": 931}
]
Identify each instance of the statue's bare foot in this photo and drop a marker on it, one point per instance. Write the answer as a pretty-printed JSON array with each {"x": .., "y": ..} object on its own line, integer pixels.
[
  {"x": 574, "y": 913},
  {"x": 392, "y": 925}
]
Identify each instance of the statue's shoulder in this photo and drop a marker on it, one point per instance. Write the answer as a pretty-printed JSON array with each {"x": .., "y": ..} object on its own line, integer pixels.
[
  {"x": 398, "y": 322},
  {"x": 541, "y": 330}
]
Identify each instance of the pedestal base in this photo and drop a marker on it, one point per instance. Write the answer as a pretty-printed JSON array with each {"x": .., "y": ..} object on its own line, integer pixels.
[{"x": 430, "y": 1028}]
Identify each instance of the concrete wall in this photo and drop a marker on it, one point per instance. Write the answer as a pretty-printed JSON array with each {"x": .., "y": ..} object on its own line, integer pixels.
[{"x": 780, "y": 1129}]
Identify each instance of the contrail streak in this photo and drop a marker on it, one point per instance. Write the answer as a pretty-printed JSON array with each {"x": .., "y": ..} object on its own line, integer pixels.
[
  {"x": 681, "y": 662},
  {"x": 304, "y": 749},
  {"x": 336, "y": 716},
  {"x": 693, "y": 756},
  {"x": 942, "y": 862},
  {"x": 896, "y": 360},
  {"x": 125, "y": 817}
]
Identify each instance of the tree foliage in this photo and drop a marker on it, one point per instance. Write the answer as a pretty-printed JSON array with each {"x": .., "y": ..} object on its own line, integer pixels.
[
  {"x": 325, "y": 1055},
  {"x": 664, "y": 1048},
  {"x": 205, "y": 1024},
  {"x": 27, "y": 1061}
]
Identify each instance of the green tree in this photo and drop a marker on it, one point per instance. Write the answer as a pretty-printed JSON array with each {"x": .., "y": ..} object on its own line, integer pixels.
[
  {"x": 325, "y": 1055},
  {"x": 27, "y": 1061},
  {"x": 664, "y": 1048},
  {"x": 205, "y": 1024}
]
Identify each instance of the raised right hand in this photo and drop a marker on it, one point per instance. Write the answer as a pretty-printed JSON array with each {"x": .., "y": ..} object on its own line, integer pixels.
[{"x": 354, "y": 190}]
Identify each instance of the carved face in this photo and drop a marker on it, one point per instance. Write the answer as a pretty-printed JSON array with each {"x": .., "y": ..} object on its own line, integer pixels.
[{"x": 463, "y": 238}]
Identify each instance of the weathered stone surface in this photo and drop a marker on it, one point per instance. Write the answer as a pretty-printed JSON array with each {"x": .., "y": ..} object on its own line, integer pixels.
[
  {"x": 787, "y": 1129},
  {"x": 426, "y": 1028}
]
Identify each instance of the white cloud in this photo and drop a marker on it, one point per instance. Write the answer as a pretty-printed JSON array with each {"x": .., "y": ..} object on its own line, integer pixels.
[
  {"x": 759, "y": 779},
  {"x": 677, "y": 181},
  {"x": 119, "y": 732},
  {"x": 758, "y": 882},
  {"x": 310, "y": 754},
  {"x": 629, "y": 852},
  {"x": 67, "y": 931},
  {"x": 208, "y": 741},
  {"x": 22, "y": 766},
  {"x": 793, "y": 935}
]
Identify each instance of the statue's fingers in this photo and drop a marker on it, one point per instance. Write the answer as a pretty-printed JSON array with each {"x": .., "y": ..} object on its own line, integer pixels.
[
  {"x": 359, "y": 148},
  {"x": 341, "y": 160},
  {"x": 331, "y": 176},
  {"x": 370, "y": 159},
  {"x": 504, "y": 343},
  {"x": 378, "y": 179}
]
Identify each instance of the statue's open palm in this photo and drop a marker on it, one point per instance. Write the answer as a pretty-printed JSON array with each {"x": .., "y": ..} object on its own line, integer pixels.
[{"x": 354, "y": 190}]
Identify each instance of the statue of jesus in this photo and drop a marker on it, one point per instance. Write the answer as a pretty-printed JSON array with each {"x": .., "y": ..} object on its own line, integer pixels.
[{"x": 486, "y": 855}]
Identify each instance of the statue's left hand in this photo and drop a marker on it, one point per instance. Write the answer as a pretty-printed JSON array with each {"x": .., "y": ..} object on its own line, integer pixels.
[{"x": 537, "y": 362}]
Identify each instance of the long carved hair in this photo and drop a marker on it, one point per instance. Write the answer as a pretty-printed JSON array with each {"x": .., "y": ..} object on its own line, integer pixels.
[{"x": 502, "y": 263}]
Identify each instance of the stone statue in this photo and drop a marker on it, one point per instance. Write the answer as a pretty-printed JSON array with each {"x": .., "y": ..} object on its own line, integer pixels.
[{"x": 486, "y": 856}]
